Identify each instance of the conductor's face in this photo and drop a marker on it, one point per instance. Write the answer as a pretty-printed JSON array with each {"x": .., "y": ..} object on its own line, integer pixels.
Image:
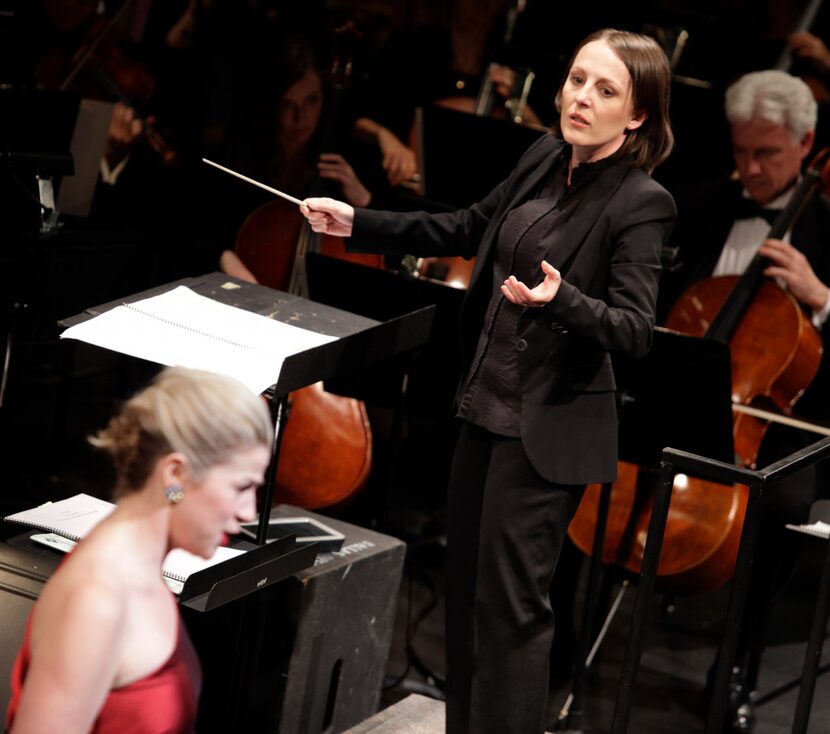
[
  {"x": 597, "y": 108},
  {"x": 767, "y": 158}
]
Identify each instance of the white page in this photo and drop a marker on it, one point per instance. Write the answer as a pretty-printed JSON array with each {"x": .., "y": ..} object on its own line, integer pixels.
[
  {"x": 179, "y": 564},
  {"x": 73, "y": 517},
  {"x": 183, "y": 328}
]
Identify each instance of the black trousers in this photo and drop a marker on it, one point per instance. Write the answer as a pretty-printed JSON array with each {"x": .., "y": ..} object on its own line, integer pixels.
[{"x": 505, "y": 529}]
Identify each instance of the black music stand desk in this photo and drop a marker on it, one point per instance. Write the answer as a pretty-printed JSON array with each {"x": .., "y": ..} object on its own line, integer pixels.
[{"x": 360, "y": 342}]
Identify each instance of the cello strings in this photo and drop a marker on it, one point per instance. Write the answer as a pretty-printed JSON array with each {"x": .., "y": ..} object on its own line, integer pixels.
[{"x": 279, "y": 193}]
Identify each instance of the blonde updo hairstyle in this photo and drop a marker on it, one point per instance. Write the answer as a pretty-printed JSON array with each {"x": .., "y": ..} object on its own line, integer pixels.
[{"x": 204, "y": 416}]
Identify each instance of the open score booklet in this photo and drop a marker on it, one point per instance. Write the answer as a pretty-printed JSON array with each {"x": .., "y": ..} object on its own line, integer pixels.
[{"x": 73, "y": 518}]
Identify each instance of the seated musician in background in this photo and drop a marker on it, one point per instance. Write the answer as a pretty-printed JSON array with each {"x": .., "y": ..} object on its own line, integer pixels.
[
  {"x": 104, "y": 649},
  {"x": 772, "y": 117},
  {"x": 290, "y": 141}
]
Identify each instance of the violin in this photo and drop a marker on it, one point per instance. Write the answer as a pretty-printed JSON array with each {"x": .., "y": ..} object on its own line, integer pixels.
[
  {"x": 92, "y": 60},
  {"x": 770, "y": 367}
]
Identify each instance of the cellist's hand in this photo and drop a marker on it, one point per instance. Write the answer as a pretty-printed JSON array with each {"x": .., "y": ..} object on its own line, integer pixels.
[
  {"x": 791, "y": 266},
  {"x": 329, "y": 216},
  {"x": 336, "y": 168},
  {"x": 398, "y": 160},
  {"x": 805, "y": 45},
  {"x": 517, "y": 292}
]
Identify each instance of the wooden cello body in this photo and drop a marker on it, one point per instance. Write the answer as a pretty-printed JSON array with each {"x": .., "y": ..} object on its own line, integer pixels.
[
  {"x": 705, "y": 518},
  {"x": 326, "y": 452},
  {"x": 775, "y": 354},
  {"x": 267, "y": 244}
]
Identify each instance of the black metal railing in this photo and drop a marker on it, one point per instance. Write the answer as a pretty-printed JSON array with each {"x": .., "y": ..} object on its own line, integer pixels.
[{"x": 675, "y": 462}]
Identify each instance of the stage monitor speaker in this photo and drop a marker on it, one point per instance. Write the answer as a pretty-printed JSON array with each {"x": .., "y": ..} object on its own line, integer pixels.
[
  {"x": 306, "y": 655},
  {"x": 22, "y": 576}
]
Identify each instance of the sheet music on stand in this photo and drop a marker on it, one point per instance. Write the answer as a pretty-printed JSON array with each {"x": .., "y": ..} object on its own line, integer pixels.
[{"x": 181, "y": 327}]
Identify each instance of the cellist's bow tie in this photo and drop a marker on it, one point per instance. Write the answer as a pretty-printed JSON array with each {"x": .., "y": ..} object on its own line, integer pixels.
[{"x": 750, "y": 209}]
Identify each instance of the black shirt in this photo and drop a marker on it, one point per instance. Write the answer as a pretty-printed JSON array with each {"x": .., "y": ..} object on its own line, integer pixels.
[{"x": 491, "y": 397}]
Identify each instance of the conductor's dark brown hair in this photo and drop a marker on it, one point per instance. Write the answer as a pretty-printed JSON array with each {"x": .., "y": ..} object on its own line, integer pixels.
[{"x": 650, "y": 144}]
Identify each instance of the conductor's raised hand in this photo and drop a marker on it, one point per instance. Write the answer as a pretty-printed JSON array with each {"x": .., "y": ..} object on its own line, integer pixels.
[
  {"x": 329, "y": 216},
  {"x": 517, "y": 292}
]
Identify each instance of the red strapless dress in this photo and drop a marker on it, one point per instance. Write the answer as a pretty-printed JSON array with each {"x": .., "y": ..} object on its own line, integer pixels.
[{"x": 164, "y": 702}]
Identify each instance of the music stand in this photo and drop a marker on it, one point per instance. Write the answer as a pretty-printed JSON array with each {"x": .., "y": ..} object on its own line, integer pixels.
[
  {"x": 360, "y": 342},
  {"x": 452, "y": 145},
  {"x": 418, "y": 388},
  {"x": 679, "y": 394},
  {"x": 35, "y": 132},
  {"x": 385, "y": 294}
]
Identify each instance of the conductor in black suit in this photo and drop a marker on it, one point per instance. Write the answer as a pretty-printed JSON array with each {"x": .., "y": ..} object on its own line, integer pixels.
[
  {"x": 772, "y": 119},
  {"x": 567, "y": 265}
]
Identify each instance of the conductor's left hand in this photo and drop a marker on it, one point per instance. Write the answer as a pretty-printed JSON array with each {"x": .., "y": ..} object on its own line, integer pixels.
[
  {"x": 329, "y": 216},
  {"x": 517, "y": 292}
]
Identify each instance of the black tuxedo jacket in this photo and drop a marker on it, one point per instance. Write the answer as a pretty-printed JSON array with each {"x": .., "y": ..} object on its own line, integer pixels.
[
  {"x": 608, "y": 252},
  {"x": 705, "y": 223}
]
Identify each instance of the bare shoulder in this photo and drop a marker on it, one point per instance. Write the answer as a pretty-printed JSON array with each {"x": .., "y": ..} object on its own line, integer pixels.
[
  {"x": 76, "y": 647},
  {"x": 80, "y": 603}
]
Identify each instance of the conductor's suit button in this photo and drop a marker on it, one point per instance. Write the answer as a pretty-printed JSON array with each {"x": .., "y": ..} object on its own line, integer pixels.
[{"x": 521, "y": 345}]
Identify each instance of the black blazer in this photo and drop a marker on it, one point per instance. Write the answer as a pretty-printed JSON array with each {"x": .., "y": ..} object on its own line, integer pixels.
[{"x": 608, "y": 252}]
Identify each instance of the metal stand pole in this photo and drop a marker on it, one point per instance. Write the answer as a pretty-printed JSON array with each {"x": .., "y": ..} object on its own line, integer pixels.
[
  {"x": 389, "y": 516},
  {"x": 280, "y": 412},
  {"x": 812, "y": 657},
  {"x": 571, "y": 714},
  {"x": 735, "y": 609},
  {"x": 648, "y": 575},
  {"x": 612, "y": 612}
]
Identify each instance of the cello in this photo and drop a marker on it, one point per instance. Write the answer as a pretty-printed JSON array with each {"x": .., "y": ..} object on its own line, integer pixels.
[
  {"x": 768, "y": 371},
  {"x": 272, "y": 239}
]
